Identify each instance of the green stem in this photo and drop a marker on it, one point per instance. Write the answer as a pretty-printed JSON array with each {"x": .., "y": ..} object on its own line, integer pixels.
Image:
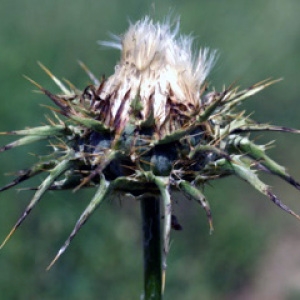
[{"x": 150, "y": 208}]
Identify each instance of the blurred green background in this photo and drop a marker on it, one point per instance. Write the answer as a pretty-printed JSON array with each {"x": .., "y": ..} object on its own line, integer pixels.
[{"x": 253, "y": 253}]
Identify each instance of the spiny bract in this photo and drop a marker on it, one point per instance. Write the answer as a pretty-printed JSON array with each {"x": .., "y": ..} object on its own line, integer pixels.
[{"x": 149, "y": 128}]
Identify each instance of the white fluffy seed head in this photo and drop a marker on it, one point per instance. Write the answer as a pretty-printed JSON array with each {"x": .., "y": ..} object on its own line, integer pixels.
[{"x": 158, "y": 63}]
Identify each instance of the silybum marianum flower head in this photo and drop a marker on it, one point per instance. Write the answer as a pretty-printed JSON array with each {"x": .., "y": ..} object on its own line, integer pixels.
[
  {"x": 160, "y": 71},
  {"x": 150, "y": 128}
]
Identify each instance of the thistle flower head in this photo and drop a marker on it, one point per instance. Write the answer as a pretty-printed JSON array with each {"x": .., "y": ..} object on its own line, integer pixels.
[
  {"x": 149, "y": 129},
  {"x": 159, "y": 67}
]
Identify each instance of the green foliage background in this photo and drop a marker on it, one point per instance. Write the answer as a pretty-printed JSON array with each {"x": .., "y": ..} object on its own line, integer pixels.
[{"x": 255, "y": 39}]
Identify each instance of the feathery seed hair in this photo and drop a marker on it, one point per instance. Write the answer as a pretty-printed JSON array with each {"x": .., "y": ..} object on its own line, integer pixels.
[{"x": 157, "y": 62}]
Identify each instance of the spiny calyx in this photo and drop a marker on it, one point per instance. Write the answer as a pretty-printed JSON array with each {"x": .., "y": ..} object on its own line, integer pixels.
[{"x": 150, "y": 128}]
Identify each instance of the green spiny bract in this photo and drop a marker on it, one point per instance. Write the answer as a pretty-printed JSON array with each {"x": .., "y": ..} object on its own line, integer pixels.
[{"x": 148, "y": 129}]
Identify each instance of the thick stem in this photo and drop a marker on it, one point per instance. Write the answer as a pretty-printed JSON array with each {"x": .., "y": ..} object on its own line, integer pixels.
[{"x": 150, "y": 208}]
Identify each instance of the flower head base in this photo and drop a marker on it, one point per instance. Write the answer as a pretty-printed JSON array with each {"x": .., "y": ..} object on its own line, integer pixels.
[{"x": 148, "y": 129}]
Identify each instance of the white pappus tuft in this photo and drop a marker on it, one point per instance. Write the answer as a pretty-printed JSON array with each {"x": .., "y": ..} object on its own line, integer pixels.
[{"x": 157, "y": 64}]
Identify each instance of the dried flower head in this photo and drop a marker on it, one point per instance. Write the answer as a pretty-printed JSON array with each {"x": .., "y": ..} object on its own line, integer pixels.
[
  {"x": 157, "y": 66},
  {"x": 148, "y": 129}
]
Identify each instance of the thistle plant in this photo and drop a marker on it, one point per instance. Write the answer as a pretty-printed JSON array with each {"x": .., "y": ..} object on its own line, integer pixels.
[{"x": 151, "y": 128}]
